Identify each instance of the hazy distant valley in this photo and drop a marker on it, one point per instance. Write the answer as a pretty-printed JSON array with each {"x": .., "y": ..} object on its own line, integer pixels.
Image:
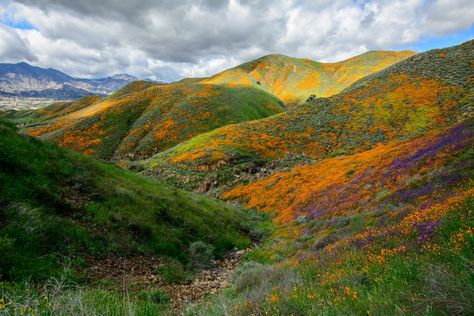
[{"x": 25, "y": 87}]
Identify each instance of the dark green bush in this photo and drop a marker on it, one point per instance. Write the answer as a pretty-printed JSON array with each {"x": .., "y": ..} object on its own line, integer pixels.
[
  {"x": 172, "y": 272},
  {"x": 201, "y": 254}
]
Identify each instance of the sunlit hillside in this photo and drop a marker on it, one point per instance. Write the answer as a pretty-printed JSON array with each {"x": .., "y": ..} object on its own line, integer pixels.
[
  {"x": 293, "y": 80},
  {"x": 142, "y": 119},
  {"x": 426, "y": 92},
  {"x": 211, "y": 174}
]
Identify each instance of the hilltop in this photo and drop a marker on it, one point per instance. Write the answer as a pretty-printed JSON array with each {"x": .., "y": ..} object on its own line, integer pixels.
[
  {"x": 293, "y": 80},
  {"x": 425, "y": 92}
]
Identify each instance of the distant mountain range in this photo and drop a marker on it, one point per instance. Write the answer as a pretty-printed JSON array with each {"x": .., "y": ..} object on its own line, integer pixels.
[{"x": 24, "y": 80}]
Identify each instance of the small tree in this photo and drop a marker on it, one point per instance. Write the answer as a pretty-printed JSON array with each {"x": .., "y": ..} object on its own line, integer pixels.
[{"x": 311, "y": 98}]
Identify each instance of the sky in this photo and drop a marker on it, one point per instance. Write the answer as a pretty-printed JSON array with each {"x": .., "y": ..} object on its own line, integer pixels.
[{"x": 171, "y": 39}]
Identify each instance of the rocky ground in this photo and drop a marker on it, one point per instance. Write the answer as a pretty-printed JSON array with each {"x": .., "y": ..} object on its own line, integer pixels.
[
  {"x": 139, "y": 273},
  {"x": 206, "y": 282}
]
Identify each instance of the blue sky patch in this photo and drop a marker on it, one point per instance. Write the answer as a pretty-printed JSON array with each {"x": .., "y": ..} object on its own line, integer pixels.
[{"x": 433, "y": 42}]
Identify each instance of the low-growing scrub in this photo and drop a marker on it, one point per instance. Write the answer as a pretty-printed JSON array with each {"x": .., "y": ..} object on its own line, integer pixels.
[
  {"x": 201, "y": 254},
  {"x": 173, "y": 272}
]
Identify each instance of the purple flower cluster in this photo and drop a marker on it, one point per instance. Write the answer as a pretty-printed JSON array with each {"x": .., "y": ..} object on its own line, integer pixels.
[
  {"x": 453, "y": 139},
  {"x": 315, "y": 213},
  {"x": 425, "y": 230}
]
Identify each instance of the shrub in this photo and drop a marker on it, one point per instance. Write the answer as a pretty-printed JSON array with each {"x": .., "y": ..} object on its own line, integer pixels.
[
  {"x": 172, "y": 272},
  {"x": 259, "y": 227},
  {"x": 201, "y": 254},
  {"x": 251, "y": 274},
  {"x": 7, "y": 248},
  {"x": 258, "y": 233},
  {"x": 301, "y": 219}
]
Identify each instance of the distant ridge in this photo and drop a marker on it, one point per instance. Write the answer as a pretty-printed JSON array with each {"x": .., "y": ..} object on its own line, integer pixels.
[{"x": 25, "y": 80}]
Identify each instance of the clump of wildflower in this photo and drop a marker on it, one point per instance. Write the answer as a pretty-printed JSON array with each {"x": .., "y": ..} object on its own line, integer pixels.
[
  {"x": 459, "y": 238},
  {"x": 350, "y": 293}
]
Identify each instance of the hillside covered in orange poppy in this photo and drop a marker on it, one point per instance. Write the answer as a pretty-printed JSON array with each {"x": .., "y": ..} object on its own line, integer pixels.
[
  {"x": 379, "y": 228},
  {"x": 143, "y": 118},
  {"x": 358, "y": 202},
  {"x": 237, "y": 158},
  {"x": 426, "y": 92},
  {"x": 386, "y": 231},
  {"x": 383, "y": 227},
  {"x": 293, "y": 80}
]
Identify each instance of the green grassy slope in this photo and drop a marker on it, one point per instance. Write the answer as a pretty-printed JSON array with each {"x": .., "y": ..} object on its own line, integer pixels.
[{"x": 57, "y": 205}]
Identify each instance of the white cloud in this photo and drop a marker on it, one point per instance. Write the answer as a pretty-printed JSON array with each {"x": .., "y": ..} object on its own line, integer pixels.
[
  {"x": 12, "y": 47},
  {"x": 170, "y": 39}
]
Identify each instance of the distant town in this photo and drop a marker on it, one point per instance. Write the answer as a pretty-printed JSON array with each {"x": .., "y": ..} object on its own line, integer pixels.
[{"x": 21, "y": 103}]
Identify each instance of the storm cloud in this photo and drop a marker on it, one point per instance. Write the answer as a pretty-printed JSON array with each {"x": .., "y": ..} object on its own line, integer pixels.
[{"x": 168, "y": 40}]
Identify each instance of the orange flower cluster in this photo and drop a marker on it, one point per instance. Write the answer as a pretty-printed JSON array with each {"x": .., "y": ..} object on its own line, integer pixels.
[
  {"x": 433, "y": 213},
  {"x": 85, "y": 141},
  {"x": 458, "y": 240},
  {"x": 385, "y": 254}
]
